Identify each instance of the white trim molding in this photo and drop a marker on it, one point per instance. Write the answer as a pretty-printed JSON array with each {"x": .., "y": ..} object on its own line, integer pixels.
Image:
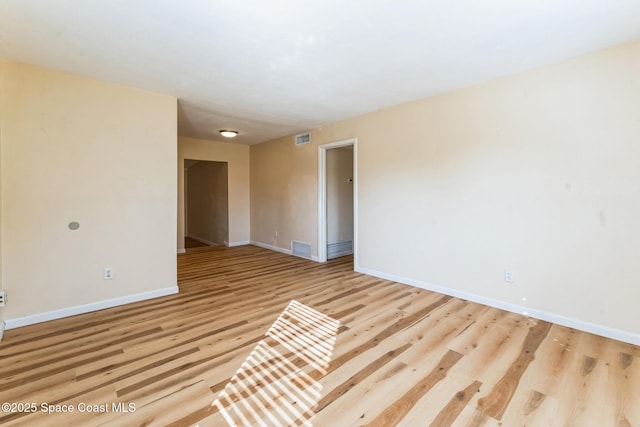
[
  {"x": 593, "y": 328},
  {"x": 322, "y": 197},
  {"x": 2, "y": 326},
  {"x": 278, "y": 249},
  {"x": 86, "y": 308},
  {"x": 181, "y": 251},
  {"x": 205, "y": 241},
  {"x": 271, "y": 247},
  {"x": 240, "y": 243}
]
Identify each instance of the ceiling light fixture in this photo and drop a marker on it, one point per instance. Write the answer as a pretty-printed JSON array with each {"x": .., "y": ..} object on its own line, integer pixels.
[{"x": 229, "y": 133}]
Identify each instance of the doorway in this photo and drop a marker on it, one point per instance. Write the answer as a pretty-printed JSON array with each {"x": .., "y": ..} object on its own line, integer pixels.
[
  {"x": 206, "y": 203},
  {"x": 337, "y": 200}
]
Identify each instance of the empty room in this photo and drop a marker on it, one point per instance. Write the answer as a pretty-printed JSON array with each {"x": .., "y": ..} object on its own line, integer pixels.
[{"x": 323, "y": 213}]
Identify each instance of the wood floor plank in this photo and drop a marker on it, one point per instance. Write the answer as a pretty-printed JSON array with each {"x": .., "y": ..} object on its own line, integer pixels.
[
  {"x": 498, "y": 349},
  {"x": 530, "y": 407},
  {"x": 625, "y": 389},
  {"x": 454, "y": 407},
  {"x": 166, "y": 410},
  {"x": 394, "y": 413},
  {"x": 471, "y": 417},
  {"x": 343, "y": 388},
  {"x": 582, "y": 406},
  {"x": 496, "y": 402},
  {"x": 402, "y": 355},
  {"x": 553, "y": 360}
]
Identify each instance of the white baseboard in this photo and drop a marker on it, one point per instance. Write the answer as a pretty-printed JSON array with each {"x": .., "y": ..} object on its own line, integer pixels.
[
  {"x": 271, "y": 247},
  {"x": 593, "y": 328},
  {"x": 240, "y": 243},
  {"x": 182, "y": 251},
  {"x": 205, "y": 241},
  {"x": 278, "y": 249},
  {"x": 2, "y": 325},
  {"x": 86, "y": 308}
]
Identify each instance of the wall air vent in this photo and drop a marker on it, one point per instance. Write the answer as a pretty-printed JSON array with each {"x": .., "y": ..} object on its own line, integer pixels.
[
  {"x": 303, "y": 138},
  {"x": 338, "y": 249},
  {"x": 301, "y": 249}
]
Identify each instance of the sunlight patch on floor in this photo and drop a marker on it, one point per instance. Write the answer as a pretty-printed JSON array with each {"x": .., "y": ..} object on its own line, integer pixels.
[{"x": 277, "y": 384}]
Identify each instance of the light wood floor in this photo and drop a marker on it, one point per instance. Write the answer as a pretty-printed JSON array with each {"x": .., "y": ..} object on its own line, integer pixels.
[{"x": 399, "y": 356}]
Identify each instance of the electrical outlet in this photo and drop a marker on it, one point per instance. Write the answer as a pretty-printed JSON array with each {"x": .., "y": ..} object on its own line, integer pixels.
[
  {"x": 508, "y": 276},
  {"x": 108, "y": 273},
  {"x": 3, "y": 298}
]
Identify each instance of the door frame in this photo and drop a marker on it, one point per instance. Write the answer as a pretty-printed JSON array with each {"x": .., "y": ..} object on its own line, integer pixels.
[
  {"x": 184, "y": 200},
  {"x": 322, "y": 197}
]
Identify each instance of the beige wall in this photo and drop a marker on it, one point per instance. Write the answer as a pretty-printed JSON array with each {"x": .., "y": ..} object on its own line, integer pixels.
[
  {"x": 2, "y": 64},
  {"x": 237, "y": 159},
  {"x": 207, "y": 201},
  {"x": 339, "y": 195},
  {"x": 536, "y": 172},
  {"x": 284, "y": 192},
  {"x": 77, "y": 149}
]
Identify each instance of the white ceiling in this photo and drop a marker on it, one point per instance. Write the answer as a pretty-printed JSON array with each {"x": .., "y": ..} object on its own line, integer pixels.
[{"x": 277, "y": 67}]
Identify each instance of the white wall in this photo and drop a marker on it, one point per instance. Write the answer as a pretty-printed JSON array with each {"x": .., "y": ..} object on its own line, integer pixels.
[
  {"x": 77, "y": 149},
  {"x": 537, "y": 173}
]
